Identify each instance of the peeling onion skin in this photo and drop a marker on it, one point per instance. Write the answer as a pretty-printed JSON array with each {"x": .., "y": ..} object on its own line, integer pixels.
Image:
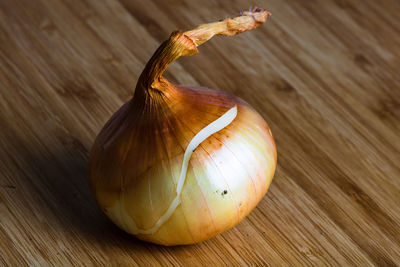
[{"x": 136, "y": 160}]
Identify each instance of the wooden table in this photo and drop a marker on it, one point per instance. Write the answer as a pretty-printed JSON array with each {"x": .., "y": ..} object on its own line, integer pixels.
[{"x": 323, "y": 73}]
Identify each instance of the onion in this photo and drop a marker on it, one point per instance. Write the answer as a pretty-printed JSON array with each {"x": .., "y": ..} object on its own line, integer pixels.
[{"x": 178, "y": 165}]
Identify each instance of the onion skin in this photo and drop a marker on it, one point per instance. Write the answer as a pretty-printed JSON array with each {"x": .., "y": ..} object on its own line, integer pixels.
[{"x": 136, "y": 159}]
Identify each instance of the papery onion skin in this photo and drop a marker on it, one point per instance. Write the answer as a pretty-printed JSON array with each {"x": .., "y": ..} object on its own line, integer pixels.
[{"x": 136, "y": 159}]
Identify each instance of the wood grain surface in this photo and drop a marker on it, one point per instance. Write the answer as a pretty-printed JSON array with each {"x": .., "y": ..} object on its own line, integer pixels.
[{"x": 323, "y": 73}]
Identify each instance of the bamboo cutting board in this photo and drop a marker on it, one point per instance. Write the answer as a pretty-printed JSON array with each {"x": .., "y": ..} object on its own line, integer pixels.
[{"x": 323, "y": 73}]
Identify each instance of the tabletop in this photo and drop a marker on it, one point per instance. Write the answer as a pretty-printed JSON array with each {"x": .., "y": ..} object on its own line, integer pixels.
[{"x": 324, "y": 74}]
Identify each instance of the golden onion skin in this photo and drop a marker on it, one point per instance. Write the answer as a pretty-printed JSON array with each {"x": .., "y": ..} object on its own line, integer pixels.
[{"x": 137, "y": 157}]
